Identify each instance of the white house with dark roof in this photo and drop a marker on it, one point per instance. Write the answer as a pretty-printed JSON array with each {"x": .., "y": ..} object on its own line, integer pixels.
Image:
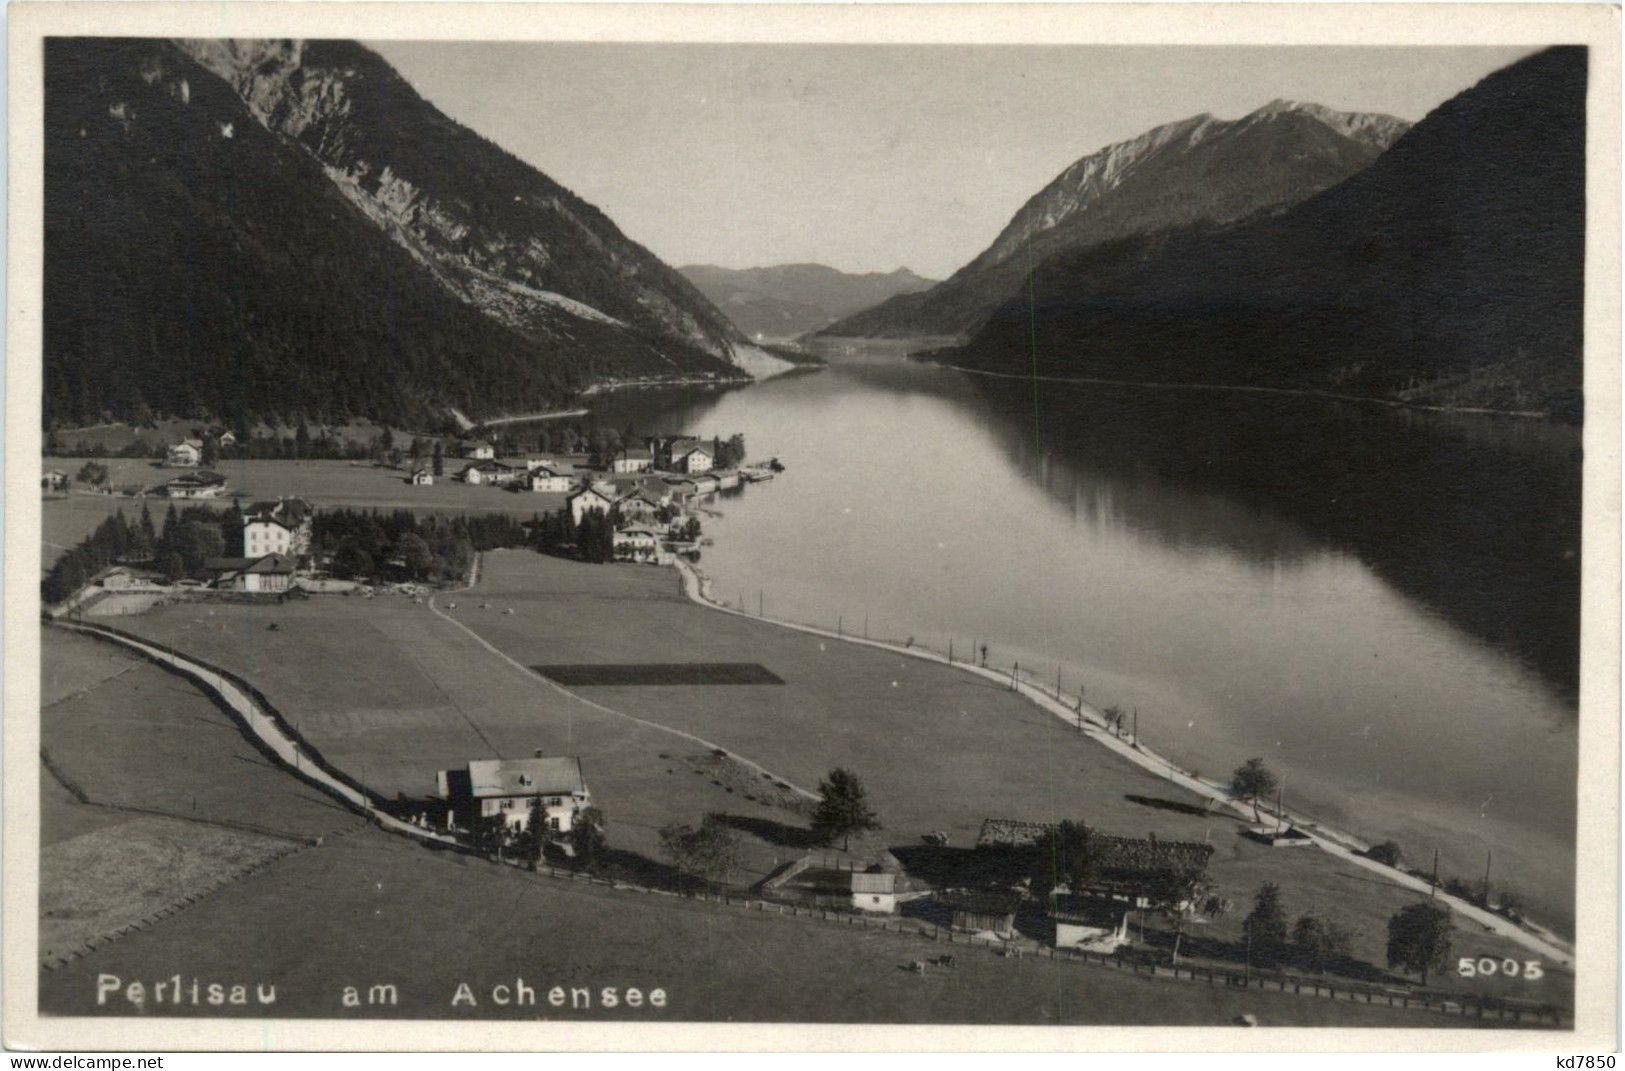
[
  {"x": 693, "y": 458},
  {"x": 506, "y": 787},
  {"x": 589, "y": 497},
  {"x": 200, "y": 484},
  {"x": 477, "y": 450},
  {"x": 186, "y": 453},
  {"x": 634, "y": 459}
]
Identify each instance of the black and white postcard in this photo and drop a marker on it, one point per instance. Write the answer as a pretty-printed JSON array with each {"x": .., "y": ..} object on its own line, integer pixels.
[{"x": 563, "y": 525}]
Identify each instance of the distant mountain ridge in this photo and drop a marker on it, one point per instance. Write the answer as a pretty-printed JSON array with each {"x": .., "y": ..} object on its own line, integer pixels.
[
  {"x": 262, "y": 227},
  {"x": 1450, "y": 272},
  {"x": 786, "y": 300},
  {"x": 1199, "y": 170}
]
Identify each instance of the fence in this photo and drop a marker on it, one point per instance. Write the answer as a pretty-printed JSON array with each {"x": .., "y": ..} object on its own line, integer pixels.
[{"x": 276, "y": 738}]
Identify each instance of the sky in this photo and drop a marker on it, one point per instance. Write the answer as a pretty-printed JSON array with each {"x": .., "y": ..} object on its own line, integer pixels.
[{"x": 868, "y": 157}]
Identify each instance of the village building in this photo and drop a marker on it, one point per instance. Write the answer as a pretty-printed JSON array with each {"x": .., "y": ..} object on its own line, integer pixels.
[
  {"x": 698, "y": 457},
  {"x": 477, "y": 450},
  {"x": 637, "y": 542},
  {"x": 589, "y": 497},
  {"x": 129, "y": 578},
  {"x": 279, "y": 527},
  {"x": 506, "y": 787},
  {"x": 1088, "y": 923},
  {"x": 271, "y": 574},
  {"x": 227, "y": 438},
  {"x": 635, "y": 505},
  {"x": 422, "y": 477},
  {"x": 200, "y": 484},
  {"x": 634, "y": 459},
  {"x": 1142, "y": 871},
  {"x": 494, "y": 473},
  {"x": 991, "y": 913},
  {"x": 552, "y": 477},
  {"x": 186, "y": 454},
  {"x": 874, "y": 891},
  {"x": 54, "y": 481}
]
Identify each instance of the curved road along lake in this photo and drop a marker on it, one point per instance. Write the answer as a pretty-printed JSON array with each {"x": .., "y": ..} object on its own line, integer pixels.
[{"x": 1382, "y": 604}]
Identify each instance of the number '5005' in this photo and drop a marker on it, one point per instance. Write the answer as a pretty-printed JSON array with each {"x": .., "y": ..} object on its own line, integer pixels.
[{"x": 1488, "y": 966}]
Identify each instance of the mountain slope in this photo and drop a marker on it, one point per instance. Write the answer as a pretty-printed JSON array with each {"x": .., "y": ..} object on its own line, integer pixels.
[
  {"x": 495, "y": 230},
  {"x": 1199, "y": 170},
  {"x": 1449, "y": 272},
  {"x": 787, "y": 300},
  {"x": 196, "y": 263}
]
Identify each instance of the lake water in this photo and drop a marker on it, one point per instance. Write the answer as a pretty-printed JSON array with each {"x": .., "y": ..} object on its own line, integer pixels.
[{"x": 1381, "y": 604}]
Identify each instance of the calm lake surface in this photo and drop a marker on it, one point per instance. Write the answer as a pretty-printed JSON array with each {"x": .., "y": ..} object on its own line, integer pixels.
[{"x": 1382, "y": 604}]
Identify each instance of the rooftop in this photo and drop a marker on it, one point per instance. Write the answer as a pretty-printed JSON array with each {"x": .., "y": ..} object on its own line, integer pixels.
[{"x": 525, "y": 777}]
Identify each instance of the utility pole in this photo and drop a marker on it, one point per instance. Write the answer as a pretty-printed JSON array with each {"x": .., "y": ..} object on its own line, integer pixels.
[
  {"x": 866, "y": 624},
  {"x": 1057, "y": 682},
  {"x": 1015, "y": 667},
  {"x": 1136, "y": 740},
  {"x": 761, "y": 602},
  {"x": 1488, "y": 855},
  {"x": 838, "y": 623},
  {"x": 950, "y": 650},
  {"x": 1433, "y": 886}
]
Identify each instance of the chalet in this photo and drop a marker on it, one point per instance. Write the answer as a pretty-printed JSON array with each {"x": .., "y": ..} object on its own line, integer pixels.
[
  {"x": 54, "y": 481},
  {"x": 634, "y": 459},
  {"x": 874, "y": 891},
  {"x": 269, "y": 574},
  {"x": 200, "y": 484},
  {"x": 637, "y": 505},
  {"x": 495, "y": 473},
  {"x": 227, "y": 438},
  {"x": 279, "y": 527},
  {"x": 1088, "y": 923},
  {"x": 1133, "y": 869},
  {"x": 698, "y": 457},
  {"x": 422, "y": 477},
  {"x": 188, "y": 453},
  {"x": 982, "y": 912},
  {"x": 477, "y": 450},
  {"x": 637, "y": 542},
  {"x": 506, "y": 787},
  {"x": 588, "y": 497},
  {"x": 551, "y": 475},
  {"x": 128, "y": 578}
]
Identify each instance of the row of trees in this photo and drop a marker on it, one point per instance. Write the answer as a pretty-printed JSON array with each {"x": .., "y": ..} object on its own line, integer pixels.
[
  {"x": 363, "y": 542},
  {"x": 587, "y": 838},
  {"x": 180, "y": 547},
  {"x": 1314, "y": 942}
]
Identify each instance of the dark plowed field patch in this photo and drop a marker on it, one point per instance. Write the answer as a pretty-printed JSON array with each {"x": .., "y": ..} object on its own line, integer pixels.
[{"x": 635, "y": 674}]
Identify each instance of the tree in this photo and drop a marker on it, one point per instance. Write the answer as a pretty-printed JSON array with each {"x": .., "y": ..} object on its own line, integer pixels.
[
  {"x": 1251, "y": 781},
  {"x": 587, "y": 837},
  {"x": 211, "y": 451},
  {"x": 93, "y": 473},
  {"x": 595, "y": 537},
  {"x": 415, "y": 552},
  {"x": 1320, "y": 941},
  {"x": 1419, "y": 938},
  {"x": 1063, "y": 856},
  {"x": 170, "y": 564},
  {"x": 844, "y": 808},
  {"x": 711, "y": 852},
  {"x": 488, "y": 833},
  {"x": 351, "y": 561},
  {"x": 1265, "y": 925},
  {"x": 198, "y": 542},
  {"x": 531, "y": 839},
  {"x": 1387, "y": 853},
  {"x": 439, "y": 458}
]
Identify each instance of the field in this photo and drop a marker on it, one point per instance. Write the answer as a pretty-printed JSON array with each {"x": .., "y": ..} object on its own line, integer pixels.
[
  {"x": 390, "y": 693},
  {"x": 149, "y": 795},
  {"x": 365, "y": 908},
  {"x": 324, "y": 483}
]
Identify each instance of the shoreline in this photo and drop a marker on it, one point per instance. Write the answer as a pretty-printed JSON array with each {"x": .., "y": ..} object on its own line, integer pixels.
[
  {"x": 1386, "y": 403},
  {"x": 1089, "y": 720}
]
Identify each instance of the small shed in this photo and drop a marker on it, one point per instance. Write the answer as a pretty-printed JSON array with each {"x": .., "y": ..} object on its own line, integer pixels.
[
  {"x": 983, "y": 912},
  {"x": 1089, "y": 923},
  {"x": 874, "y": 891}
]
